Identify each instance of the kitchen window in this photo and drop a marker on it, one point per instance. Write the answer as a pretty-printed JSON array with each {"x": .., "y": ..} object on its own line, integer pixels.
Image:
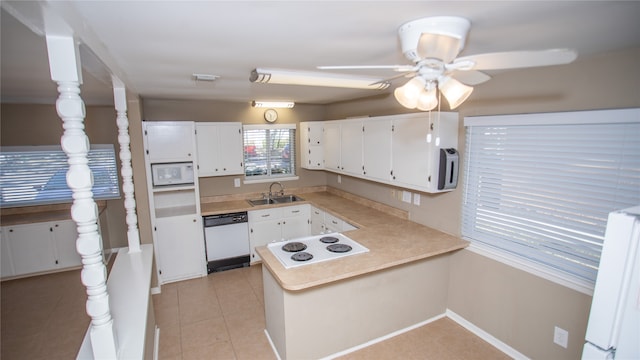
[
  {"x": 539, "y": 187},
  {"x": 36, "y": 175},
  {"x": 269, "y": 152}
]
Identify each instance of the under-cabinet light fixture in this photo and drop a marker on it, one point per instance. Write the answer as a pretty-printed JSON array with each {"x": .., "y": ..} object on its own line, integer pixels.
[
  {"x": 315, "y": 78},
  {"x": 273, "y": 104},
  {"x": 205, "y": 77}
]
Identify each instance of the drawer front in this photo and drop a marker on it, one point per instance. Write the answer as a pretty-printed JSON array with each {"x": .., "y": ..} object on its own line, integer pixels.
[
  {"x": 296, "y": 210},
  {"x": 265, "y": 214}
]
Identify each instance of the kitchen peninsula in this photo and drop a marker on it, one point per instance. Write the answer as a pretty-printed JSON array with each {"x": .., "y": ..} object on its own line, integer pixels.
[{"x": 317, "y": 310}]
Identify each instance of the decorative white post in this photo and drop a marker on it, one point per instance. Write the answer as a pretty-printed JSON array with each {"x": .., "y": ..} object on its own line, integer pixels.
[
  {"x": 120, "y": 101},
  {"x": 65, "y": 69}
]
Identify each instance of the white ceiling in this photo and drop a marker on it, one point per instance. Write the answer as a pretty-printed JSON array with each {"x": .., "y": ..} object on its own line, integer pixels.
[{"x": 156, "y": 46}]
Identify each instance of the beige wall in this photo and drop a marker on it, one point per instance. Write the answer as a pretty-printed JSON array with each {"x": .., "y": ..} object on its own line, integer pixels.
[{"x": 29, "y": 124}]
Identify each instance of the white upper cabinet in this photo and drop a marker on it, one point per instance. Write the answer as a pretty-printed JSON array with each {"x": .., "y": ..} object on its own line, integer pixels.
[
  {"x": 220, "y": 150},
  {"x": 416, "y": 145},
  {"x": 377, "y": 149},
  {"x": 351, "y": 147},
  {"x": 169, "y": 141},
  {"x": 332, "y": 145},
  {"x": 311, "y": 148}
]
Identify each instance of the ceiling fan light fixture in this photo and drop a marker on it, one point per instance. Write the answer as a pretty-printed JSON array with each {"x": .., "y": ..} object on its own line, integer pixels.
[
  {"x": 408, "y": 94},
  {"x": 454, "y": 91},
  {"x": 310, "y": 78},
  {"x": 452, "y": 30},
  {"x": 427, "y": 99}
]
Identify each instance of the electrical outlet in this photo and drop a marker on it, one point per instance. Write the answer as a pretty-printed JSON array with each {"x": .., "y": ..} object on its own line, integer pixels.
[
  {"x": 561, "y": 337},
  {"x": 339, "y": 179},
  {"x": 406, "y": 197},
  {"x": 236, "y": 182},
  {"x": 393, "y": 193},
  {"x": 416, "y": 199}
]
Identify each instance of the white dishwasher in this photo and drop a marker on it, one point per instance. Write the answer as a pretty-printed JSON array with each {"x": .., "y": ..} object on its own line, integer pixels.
[{"x": 226, "y": 238}]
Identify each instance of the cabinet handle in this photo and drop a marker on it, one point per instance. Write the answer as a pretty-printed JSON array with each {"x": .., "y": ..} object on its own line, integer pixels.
[
  {"x": 284, "y": 222},
  {"x": 56, "y": 262},
  {"x": 334, "y": 222},
  {"x": 295, "y": 211},
  {"x": 51, "y": 229},
  {"x": 266, "y": 215},
  {"x": 194, "y": 220}
]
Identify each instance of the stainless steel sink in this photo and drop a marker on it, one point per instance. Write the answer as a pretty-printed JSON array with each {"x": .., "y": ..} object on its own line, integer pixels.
[
  {"x": 275, "y": 200},
  {"x": 286, "y": 199},
  {"x": 256, "y": 202}
]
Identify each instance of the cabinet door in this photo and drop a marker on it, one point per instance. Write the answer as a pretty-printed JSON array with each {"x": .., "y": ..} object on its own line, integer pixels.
[
  {"x": 31, "y": 247},
  {"x": 311, "y": 148},
  {"x": 295, "y": 221},
  {"x": 333, "y": 223},
  {"x": 169, "y": 141},
  {"x": 351, "y": 147},
  {"x": 230, "y": 149},
  {"x": 180, "y": 247},
  {"x": 262, "y": 233},
  {"x": 6, "y": 265},
  {"x": 410, "y": 152},
  {"x": 65, "y": 235},
  {"x": 377, "y": 149},
  {"x": 317, "y": 221},
  {"x": 332, "y": 146},
  {"x": 207, "y": 145}
]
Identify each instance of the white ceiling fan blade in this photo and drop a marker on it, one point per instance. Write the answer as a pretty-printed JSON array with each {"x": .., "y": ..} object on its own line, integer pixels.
[
  {"x": 400, "y": 68},
  {"x": 471, "y": 77},
  {"x": 519, "y": 59}
]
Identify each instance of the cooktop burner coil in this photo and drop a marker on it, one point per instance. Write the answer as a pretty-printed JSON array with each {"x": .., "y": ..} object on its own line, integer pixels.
[
  {"x": 329, "y": 239},
  {"x": 294, "y": 246},
  {"x": 339, "y": 248},
  {"x": 302, "y": 256}
]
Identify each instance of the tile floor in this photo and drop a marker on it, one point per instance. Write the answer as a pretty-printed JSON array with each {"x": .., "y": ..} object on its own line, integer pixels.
[{"x": 220, "y": 316}]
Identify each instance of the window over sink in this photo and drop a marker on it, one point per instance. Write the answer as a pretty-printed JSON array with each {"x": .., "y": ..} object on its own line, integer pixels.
[{"x": 269, "y": 152}]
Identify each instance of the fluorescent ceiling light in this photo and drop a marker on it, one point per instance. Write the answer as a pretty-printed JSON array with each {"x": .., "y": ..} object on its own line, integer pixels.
[
  {"x": 311, "y": 78},
  {"x": 273, "y": 104}
]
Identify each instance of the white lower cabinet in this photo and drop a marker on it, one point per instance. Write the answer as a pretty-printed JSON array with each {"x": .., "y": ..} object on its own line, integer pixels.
[
  {"x": 39, "y": 247},
  {"x": 277, "y": 224},
  {"x": 317, "y": 221},
  {"x": 180, "y": 243},
  {"x": 322, "y": 223}
]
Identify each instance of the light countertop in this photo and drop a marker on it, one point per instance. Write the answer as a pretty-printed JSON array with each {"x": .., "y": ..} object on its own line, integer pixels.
[{"x": 392, "y": 240}]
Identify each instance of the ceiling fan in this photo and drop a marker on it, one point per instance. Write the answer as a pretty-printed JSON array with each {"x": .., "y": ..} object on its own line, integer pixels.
[{"x": 432, "y": 44}]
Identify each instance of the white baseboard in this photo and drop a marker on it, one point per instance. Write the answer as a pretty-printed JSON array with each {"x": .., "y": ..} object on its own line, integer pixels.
[
  {"x": 485, "y": 336},
  {"x": 384, "y": 337}
]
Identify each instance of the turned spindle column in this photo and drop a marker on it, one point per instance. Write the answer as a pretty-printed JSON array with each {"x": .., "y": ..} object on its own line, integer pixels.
[{"x": 122, "y": 120}]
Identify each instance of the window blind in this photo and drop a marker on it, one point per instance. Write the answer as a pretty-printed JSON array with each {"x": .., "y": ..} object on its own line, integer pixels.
[
  {"x": 36, "y": 175},
  {"x": 542, "y": 191},
  {"x": 269, "y": 151}
]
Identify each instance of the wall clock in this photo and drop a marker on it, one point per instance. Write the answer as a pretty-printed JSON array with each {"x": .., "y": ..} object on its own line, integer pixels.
[{"x": 270, "y": 115}]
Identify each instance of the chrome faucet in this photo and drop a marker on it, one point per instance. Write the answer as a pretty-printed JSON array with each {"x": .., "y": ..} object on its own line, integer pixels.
[{"x": 271, "y": 191}]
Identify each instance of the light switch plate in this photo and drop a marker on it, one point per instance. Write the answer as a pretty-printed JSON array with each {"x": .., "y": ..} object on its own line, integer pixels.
[
  {"x": 236, "y": 182},
  {"x": 416, "y": 199}
]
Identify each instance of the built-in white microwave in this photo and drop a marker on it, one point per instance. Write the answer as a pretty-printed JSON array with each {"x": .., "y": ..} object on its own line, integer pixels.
[{"x": 180, "y": 173}]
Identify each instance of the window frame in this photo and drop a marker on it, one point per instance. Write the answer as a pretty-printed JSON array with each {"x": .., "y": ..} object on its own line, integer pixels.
[
  {"x": 271, "y": 177},
  {"x": 596, "y": 117}
]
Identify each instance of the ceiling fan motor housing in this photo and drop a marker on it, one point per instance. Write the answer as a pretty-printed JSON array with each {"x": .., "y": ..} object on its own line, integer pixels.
[{"x": 453, "y": 28}]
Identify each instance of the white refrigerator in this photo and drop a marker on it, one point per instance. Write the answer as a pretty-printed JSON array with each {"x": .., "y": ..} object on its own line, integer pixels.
[{"x": 613, "y": 331}]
